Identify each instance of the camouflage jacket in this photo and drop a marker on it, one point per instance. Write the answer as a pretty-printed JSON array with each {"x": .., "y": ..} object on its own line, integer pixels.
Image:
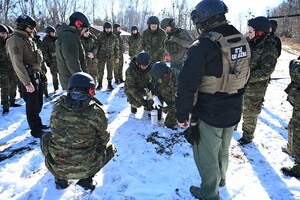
[
  {"x": 263, "y": 59},
  {"x": 154, "y": 44},
  {"x": 23, "y": 51},
  {"x": 177, "y": 44},
  {"x": 166, "y": 90},
  {"x": 70, "y": 55},
  {"x": 136, "y": 80},
  {"x": 107, "y": 46},
  {"x": 121, "y": 49},
  {"x": 89, "y": 44},
  {"x": 48, "y": 48},
  {"x": 135, "y": 43},
  {"x": 75, "y": 149},
  {"x": 4, "y": 62}
]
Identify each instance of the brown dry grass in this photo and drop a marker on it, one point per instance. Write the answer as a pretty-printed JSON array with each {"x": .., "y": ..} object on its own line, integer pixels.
[{"x": 293, "y": 43}]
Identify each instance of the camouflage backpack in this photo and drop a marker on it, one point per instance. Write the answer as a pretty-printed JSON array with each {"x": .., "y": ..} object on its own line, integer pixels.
[{"x": 293, "y": 89}]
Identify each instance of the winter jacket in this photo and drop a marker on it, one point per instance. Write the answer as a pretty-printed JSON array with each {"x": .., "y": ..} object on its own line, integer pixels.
[
  {"x": 204, "y": 58},
  {"x": 75, "y": 147},
  {"x": 135, "y": 44},
  {"x": 70, "y": 55},
  {"x": 107, "y": 46}
]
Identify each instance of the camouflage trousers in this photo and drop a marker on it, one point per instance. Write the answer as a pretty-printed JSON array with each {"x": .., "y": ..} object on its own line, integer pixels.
[
  {"x": 92, "y": 68},
  {"x": 109, "y": 67},
  {"x": 118, "y": 70},
  {"x": 8, "y": 84},
  {"x": 252, "y": 103},
  {"x": 293, "y": 144},
  {"x": 136, "y": 103},
  {"x": 54, "y": 73},
  {"x": 44, "y": 80},
  {"x": 170, "y": 120}
]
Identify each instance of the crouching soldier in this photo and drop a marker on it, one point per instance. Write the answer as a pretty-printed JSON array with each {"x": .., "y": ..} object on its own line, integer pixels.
[
  {"x": 165, "y": 90},
  {"x": 77, "y": 147},
  {"x": 293, "y": 145},
  {"x": 137, "y": 78}
]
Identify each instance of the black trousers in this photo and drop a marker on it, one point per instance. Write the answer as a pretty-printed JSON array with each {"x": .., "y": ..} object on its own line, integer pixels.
[{"x": 34, "y": 103}]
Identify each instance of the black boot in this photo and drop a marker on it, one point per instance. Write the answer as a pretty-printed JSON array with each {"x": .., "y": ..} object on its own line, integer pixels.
[
  {"x": 5, "y": 112},
  {"x": 133, "y": 110},
  {"x": 109, "y": 86},
  {"x": 86, "y": 183},
  {"x": 99, "y": 87},
  {"x": 121, "y": 80},
  {"x": 61, "y": 183}
]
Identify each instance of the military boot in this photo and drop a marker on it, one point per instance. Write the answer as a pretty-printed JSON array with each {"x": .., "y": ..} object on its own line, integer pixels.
[
  {"x": 292, "y": 171},
  {"x": 99, "y": 87},
  {"x": 61, "y": 183},
  {"x": 87, "y": 183},
  {"x": 109, "y": 86},
  {"x": 195, "y": 191}
]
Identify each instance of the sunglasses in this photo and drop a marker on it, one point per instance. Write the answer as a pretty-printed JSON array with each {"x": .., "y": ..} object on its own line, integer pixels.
[{"x": 31, "y": 27}]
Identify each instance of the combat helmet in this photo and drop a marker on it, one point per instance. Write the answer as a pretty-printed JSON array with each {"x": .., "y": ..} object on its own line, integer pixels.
[
  {"x": 167, "y": 22},
  {"x": 49, "y": 29},
  {"x": 23, "y": 21},
  {"x": 81, "y": 80},
  {"x": 260, "y": 23},
  {"x": 152, "y": 20},
  {"x": 158, "y": 70},
  {"x": 143, "y": 58},
  {"x": 3, "y": 28},
  {"x": 83, "y": 20},
  {"x": 207, "y": 12}
]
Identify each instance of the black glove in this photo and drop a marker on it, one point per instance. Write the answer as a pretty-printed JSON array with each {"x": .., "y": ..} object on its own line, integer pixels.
[
  {"x": 192, "y": 134},
  {"x": 147, "y": 104},
  {"x": 151, "y": 86}
]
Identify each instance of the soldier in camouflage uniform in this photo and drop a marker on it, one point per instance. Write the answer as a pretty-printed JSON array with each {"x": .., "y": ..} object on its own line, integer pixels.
[
  {"x": 293, "y": 145},
  {"x": 89, "y": 43},
  {"x": 13, "y": 79},
  {"x": 77, "y": 146},
  {"x": 4, "y": 63},
  {"x": 165, "y": 90},
  {"x": 263, "y": 61},
  {"x": 137, "y": 79},
  {"x": 154, "y": 40},
  {"x": 44, "y": 79},
  {"x": 48, "y": 48},
  {"x": 107, "y": 53},
  {"x": 118, "y": 70},
  {"x": 135, "y": 42},
  {"x": 177, "y": 43}
]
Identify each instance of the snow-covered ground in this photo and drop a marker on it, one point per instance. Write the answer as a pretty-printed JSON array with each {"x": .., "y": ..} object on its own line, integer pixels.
[{"x": 154, "y": 163}]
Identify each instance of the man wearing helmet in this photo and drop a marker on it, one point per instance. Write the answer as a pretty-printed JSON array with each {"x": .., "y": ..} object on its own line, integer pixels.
[
  {"x": 118, "y": 69},
  {"x": 26, "y": 59},
  {"x": 70, "y": 54},
  {"x": 177, "y": 43},
  {"x": 49, "y": 53},
  {"x": 263, "y": 62},
  {"x": 77, "y": 147},
  {"x": 165, "y": 90},
  {"x": 210, "y": 86},
  {"x": 137, "y": 79},
  {"x": 135, "y": 42},
  {"x": 107, "y": 53},
  {"x": 273, "y": 27},
  {"x": 154, "y": 40}
]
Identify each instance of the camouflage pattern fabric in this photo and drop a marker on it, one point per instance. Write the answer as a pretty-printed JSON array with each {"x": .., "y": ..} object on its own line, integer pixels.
[
  {"x": 262, "y": 65},
  {"x": 90, "y": 44},
  {"x": 177, "y": 44},
  {"x": 165, "y": 90},
  {"x": 135, "y": 83},
  {"x": 13, "y": 83},
  {"x": 135, "y": 43},
  {"x": 49, "y": 53},
  {"x": 4, "y": 72},
  {"x": 107, "y": 53},
  {"x": 44, "y": 80},
  {"x": 154, "y": 44},
  {"x": 118, "y": 70},
  {"x": 75, "y": 148}
]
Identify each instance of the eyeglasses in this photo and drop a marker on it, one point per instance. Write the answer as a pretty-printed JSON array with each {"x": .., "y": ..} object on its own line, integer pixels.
[
  {"x": 30, "y": 27},
  {"x": 250, "y": 32}
]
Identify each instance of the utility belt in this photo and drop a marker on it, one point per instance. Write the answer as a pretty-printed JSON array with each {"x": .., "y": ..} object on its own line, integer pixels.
[{"x": 31, "y": 71}]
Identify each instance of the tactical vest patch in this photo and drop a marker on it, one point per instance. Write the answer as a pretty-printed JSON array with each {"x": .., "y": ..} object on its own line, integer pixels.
[{"x": 238, "y": 52}]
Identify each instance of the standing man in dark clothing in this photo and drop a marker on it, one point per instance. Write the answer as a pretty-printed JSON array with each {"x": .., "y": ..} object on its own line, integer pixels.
[
  {"x": 214, "y": 75},
  {"x": 177, "y": 43},
  {"x": 70, "y": 55},
  {"x": 26, "y": 59},
  {"x": 273, "y": 28}
]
